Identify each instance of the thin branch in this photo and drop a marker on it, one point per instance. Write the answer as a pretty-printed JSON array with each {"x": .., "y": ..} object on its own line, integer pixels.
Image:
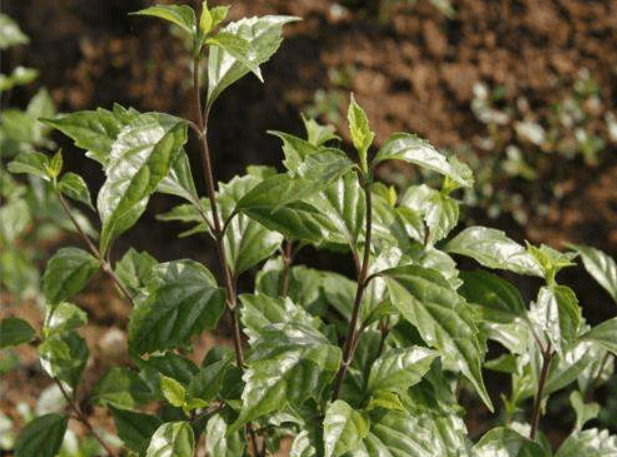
[
  {"x": 596, "y": 379},
  {"x": 547, "y": 357}
]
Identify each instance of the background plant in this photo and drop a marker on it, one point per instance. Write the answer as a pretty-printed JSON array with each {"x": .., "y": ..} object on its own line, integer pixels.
[{"x": 344, "y": 367}]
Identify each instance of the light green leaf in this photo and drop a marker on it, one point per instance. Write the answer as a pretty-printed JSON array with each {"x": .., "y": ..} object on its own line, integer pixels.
[
  {"x": 63, "y": 317},
  {"x": 134, "y": 269},
  {"x": 220, "y": 443},
  {"x": 604, "y": 334},
  {"x": 505, "y": 442},
  {"x": 181, "y": 15},
  {"x": 550, "y": 260},
  {"x": 584, "y": 411},
  {"x": 601, "y": 266},
  {"x": 558, "y": 315},
  {"x": 179, "y": 180},
  {"x": 64, "y": 356},
  {"x": 412, "y": 149},
  {"x": 15, "y": 331},
  {"x": 121, "y": 388},
  {"x": 264, "y": 36},
  {"x": 205, "y": 20},
  {"x": 344, "y": 429},
  {"x": 140, "y": 158},
  {"x": 42, "y": 437},
  {"x": 67, "y": 273},
  {"x": 360, "y": 133},
  {"x": 18, "y": 77},
  {"x": 172, "y": 439},
  {"x": 399, "y": 368},
  {"x": 493, "y": 249},
  {"x": 589, "y": 443},
  {"x": 218, "y": 13},
  {"x": 318, "y": 134},
  {"x": 41, "y": 105},
  {"x": 33, "y": 163},
  {"x": 73, "y": 186},
  {"x": 184, "y": 299},
  {"x": 239, "y": 49},
  {"x": 445, "y": 321},
  {"x": 172, "y": 390},
  {"x": 55, "y": 165},
  {"x": 10, "y": 33},
  {"x": 133, "y": 428}
]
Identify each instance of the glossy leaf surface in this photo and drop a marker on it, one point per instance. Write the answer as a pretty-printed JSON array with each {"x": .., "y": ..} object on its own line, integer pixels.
[
  {"x": 63, "y": 317},
  {"x": 344, "y": 429},
  {"x": 73, "y": 186},
  {"x": 605, "y": 334},
  {"x": 121, "y": 388},
  {"x": 557, "y": 313},
  {"x": 501, "y": 441},
  {"x": 589, "y": 443},
  {"x": 601, "y": 266},
  {"x": 172, "y": 439},
  {"x": 64, "y": 357},
  {"x": 67, "y": 273},
  {"x": 181, "y": 15}
]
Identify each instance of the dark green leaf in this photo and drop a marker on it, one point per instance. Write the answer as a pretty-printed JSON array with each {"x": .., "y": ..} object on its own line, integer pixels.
[
  {"x": 558, "y": 315},
  {"x": 206, "y": 385},
  {"x": 493, "y": 249},
  {"x": 15, "y": 331},
  {"x": 173, "y": 366},
  {"x": 507, "y": 443},
  {"x": 64, "y": 357},
  {"x": 172, "y": 439},
  {"x": 121, "y": 388},
  {"x": 67, "y": 273},
  {"x": 442, "y": 317},
  {"x": 601, "y": 266},
  {"x": 73, "y": 186},
  {"x": 10, "y": 33},
  {"x": 605, "y": 334},
  {"x": 63, "y": 317},
  {"x": 33, "y": 163},
  {"x": 412, "y": 149},
  {"x": 400, "y": 368},
  {"x": 184, "y": 299},
  {"x": 589, "y": 443},
  {"x": 133, "y": 428},
  {"x": 181, "y": 15},
  {"x": 42, "y": 437},
  {"x": 134, "y": 269},
  {"x": 344, "y": 429}
]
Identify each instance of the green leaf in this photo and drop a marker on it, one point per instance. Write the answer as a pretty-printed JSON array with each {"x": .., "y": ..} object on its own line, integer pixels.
[
  {"x": 18, "y": 77},
  {"x": 181, "y": 15},
  {"x": 220, "y": 443},
  {"x": 604, "y": 334},
  {"x": 589, "y": 443},
  {"x": 493, "y": 249},
  {"x": 55, "y": 165},
  {"x": 133, "y": 428},
  {"x": 219, "y": 13},
  {"x": 67, "y": 273},
  {"x": 412, "y": 149},
  {"x": 399, "y": 368},
  {"x": 205, "y": 20},
  {"x": 500, "y": 301},
  {"x": 344, "y": 429},
  {"x": 264, "y": 36},
  {"x": 63, "y": 317},
  {"x": 172, "y": 439},
  {"x": 506, "y": 442},
  {"x": 64, "y": 356},
  {"x": 601, "y": 266},
  {"x": 207, "y": 384},
  {"x": 15, "y": 331},
  {"x": 289, "y": 363},
  {"x": 179, "y": 180},
  {"x": 134, "y": 269},
  {"x": 445, "y": 321},
  {"x": 172, "y": 390},
  {"x": 10, "y": 33},
  {"x": 141, "y": 157},
  {"x": 42, "y": 437},
  {"x": 33, "y": 163},
  {"x": 584, "y": 411},
  {"x": 550, "y": 260},
  {"x": 184, "y": 299},
  {"x": 360, "y": 133},
  {"x": 121, "y": 388},
  {"x": 318, "y": 134},
  {"x": 73, "y": 186},
  {"x": 173, "y": 366},
  {"x": 239, "y": 49}
]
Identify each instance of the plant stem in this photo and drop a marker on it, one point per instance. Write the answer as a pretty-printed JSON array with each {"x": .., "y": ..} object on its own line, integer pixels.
[
  {"x": 596, "y": 379},
  {"x": 349, "y": 347},
  {"x": 547, "y": 357}
]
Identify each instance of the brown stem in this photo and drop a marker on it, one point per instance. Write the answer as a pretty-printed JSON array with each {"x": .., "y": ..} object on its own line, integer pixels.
[
  {"x": 384, "y": 329},
  {"x": 81, "y": 417},
  {"x": 547, "y": 357},
  {"x": 349, "y": 347},
  {"x": 596, "y": 379}
]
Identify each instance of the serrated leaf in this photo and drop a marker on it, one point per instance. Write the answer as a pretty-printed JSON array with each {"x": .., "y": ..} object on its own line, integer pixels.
[
  {"x": 502, "y": 441},
  {"x": 184, "y": 299},
  {"x": 181, "y": 15},
  {"x": 239, "y": 49},
  {"x": 589, "y": 443},
  {"x": 121, "y": 388},
  {"x": 264, "y": 36},
  {"x": 318, "y": 134},
  {"x": 10, "y": 33},
  {"x": 601, "y": 266},
  {"x": 64, "y": 356},
  {"x": 445, "y": 321},
  {"x": 550, "y": 260},
  {"x": 67, "y": 273},
  {"x": 141, "y": 156},
  {"x": 604, "y": 334},
  {"x": 133, "y": 428},
  {"x": 399, "y": 368},
  {"x": 493, "y": 249},
  {"x": 42, "y": 437},
  {"x": 413, "y": 149},
  {"x": 172, "y": 439},
  {"x": 63, "y": 317},
  {"x": 219, "y": 13},
  {"x": 360, "y": 133},
  {"x": 289, "y": 363},
  {"x": 134, "y": 269},
  {"x": 558, "y": 315},
  {"x": 15, "y": 331},
  {"x": 32, "y": 163},
  {"x": 344, "y": 428},
  {"x": 219, "y": 442},
  {"x": 73, "y": 186}
]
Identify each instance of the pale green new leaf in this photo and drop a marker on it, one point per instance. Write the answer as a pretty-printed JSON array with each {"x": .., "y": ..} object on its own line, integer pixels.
[
  {"x": 550, "y": 260},
  {"x": 181, "y": 15},
  {"x": 399, "y": 368},
  {"x": 10, "y": 33},
  {"x": 360, "y": 133},
  {"x": 344, "y": 428},
  {"x": 604, "y": 334},
  {"x": 184, "y": 299},
  {"x": 15, "y": 331},
  {"x": 141, "y": 157},
  {"x": 601, "y": 266},
  {"x": 63, "y": 317},
  {"x": 443, "y": 318},
  {"x": 42, "y": 437},
  {"x": 73, "y": 186},
  {"x": 134, "y": 429},
  {"x": 493, "y": 249},
  {"x": 67, "y": 273},
  {"x": 558, "y": 315},
  {"x": 589, "y": 443},
  {"x": 505, "y": 442},
  {"x": 172, "y": 439},
  {"x": 64, "y": 357},
  {"x": 318, "y": 134},
  {"x": 264, "y": 35},
  {"x": 172, "y": 390},
  {"x": 412, "y": 149},
  {"x": 32, "y": 163}
]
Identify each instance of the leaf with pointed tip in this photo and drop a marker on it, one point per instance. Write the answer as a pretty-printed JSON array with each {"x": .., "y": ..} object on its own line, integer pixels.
[
  {"x": 179, "y": 180},
  {"x": 289, "y": 363},
  {"x": 206, "y": 385},
  {"x": 584, "y": 411},
  {"x": 443, "y": 318},
  {"x": 140, "y": 158},
  {"x": 604, "y": 334},
  {"x": 42, "y": 437},
  {"x": 172, "y": 439},
  {"x": 493, "y": 249},
  {"x": 10, "y": 33},
  {"x": 506, "y": 442},
  {"x": 121, "y": 388},
  {"x": 181, "y": 15},
  {"x": 264, "y": 35},
  {"x": 238, "y": 48},
  {"x": 73, "y": 186},
  {"x": 601, "y": 266},
  {"x": 63, "y": 317},
  {"x": 589, "y": 443},
  {"x": 134, "y": 269},
  {"x": 32, "y": 163},
  {"x": 184, "y": 299},
  {"x": 133, "y": 428},
  {"x": 64, "y": 357},
  {"x": 399, "y": 368},
  {"x": 413, "y": 149},
  {"x": 219, "y": 442},
  {"x": 318, "y": 134},
  {"x": 67, "y": 273},
  {"x": 344, "y": 429},
  {"x": 15, "y": 331},
  {"x": 550, "y": 260}
]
